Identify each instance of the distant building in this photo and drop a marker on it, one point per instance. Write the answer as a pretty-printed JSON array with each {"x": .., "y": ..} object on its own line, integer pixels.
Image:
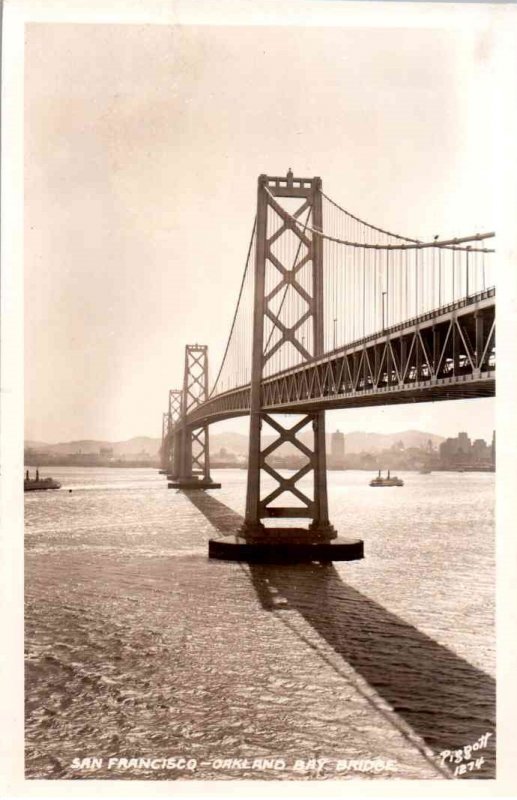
[
  {"x": 224, "y": 456},
  {"x": 337, "y": 450},
  {"x": 448, "y": 449},
  {"x": 458, "y": 448},
  {"x": 480, "y": 450},
  {"x": 461, "y": 453},
  {"x": 463, "y": 444}
]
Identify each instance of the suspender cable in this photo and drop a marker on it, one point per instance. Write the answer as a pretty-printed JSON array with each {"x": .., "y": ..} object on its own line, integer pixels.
[
  {"x": 453, "y": 278},
  {"x": 387, "y": 288},
  {"x": 364, "y": 291}
]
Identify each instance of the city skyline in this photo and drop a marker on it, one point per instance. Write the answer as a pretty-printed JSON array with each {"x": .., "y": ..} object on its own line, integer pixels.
[
  {"x": 405, "y": 450},
  {"x": 221, "y": 431},
  {"x": 390, "y": 419}
]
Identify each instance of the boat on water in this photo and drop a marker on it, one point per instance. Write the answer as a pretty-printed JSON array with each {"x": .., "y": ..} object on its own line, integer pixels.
[
  {"x": 38, "y": 484},
  {"x": 388, "y": 481},
  {"x": 425, "y": 471}
]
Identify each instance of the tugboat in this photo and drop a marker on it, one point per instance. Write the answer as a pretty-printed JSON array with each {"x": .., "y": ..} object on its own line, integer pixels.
[
  {"x": 38, "y": 484},
  {"x": 380, "y": 481}
]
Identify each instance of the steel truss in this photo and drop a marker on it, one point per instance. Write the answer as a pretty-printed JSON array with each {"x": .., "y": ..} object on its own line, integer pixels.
[
  {"x": 451, "y": 350},
  {"x": 449, "y": 356}
]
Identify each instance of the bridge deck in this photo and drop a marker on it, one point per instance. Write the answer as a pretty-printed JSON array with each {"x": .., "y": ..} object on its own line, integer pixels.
[{"x": 446, "y": 354}]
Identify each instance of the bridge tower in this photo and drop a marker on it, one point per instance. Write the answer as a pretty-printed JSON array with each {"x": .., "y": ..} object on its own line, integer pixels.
[
  {"x": 292, "y": 267},
  {"x": 295, "y": 266},
  {"x": 274, "y": 221},
  {"x": 191, "y": 462}
]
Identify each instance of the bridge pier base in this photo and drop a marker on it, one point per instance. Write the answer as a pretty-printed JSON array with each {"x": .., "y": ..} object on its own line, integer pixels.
[
  {"x": 193, "y": 483},
  {"x": 256, "y": 543},
  {"x": 314, "y": 534},
  {"x": 285, "y": 549}
]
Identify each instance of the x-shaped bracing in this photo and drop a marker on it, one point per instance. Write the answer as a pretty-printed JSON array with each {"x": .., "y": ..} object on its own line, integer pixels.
[
  {"x": 287, "y": 435},
  {"x": 175, "y": 402},
  {"x": 288, "y": 278},
  {"x": 199, "y": 458},
  {"x": 196, "y": 377}
]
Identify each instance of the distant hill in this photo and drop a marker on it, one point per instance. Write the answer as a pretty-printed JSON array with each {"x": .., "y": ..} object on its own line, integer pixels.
[
  {"x": 356, "y": 442},
  {"x": 28, "y": 444},
  {"x": 136, "y": 445}
]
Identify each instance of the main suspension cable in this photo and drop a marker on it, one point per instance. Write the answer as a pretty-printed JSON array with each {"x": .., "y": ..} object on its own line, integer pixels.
[
  {"x": 450, "y": 244},
  {"x": 236, "y": 307},
  {"x": 367, "y": 224}
]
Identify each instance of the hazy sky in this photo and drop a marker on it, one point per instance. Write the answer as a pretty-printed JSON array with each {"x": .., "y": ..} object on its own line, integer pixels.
[{"x": 142, "y": 149}]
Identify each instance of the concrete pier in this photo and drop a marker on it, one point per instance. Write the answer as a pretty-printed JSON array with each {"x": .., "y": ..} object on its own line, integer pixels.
[
  {"x": 189, "y": 485},
  {"x": 284, "y": 551}
]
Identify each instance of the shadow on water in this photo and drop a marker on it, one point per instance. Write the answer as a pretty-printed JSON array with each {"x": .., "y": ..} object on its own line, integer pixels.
[{"x": 443, "y": 698}]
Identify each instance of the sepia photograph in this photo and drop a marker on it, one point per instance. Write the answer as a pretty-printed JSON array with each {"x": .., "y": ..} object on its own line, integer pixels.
[{"x": 252, "y": 255}]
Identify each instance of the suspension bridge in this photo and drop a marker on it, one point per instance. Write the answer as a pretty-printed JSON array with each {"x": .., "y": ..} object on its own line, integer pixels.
[{"x": 332, "y": 312}]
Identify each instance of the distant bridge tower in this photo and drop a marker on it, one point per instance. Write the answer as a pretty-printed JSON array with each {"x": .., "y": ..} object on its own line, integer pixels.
[
  {"x": 191, "y": 463},
  {"x": 294, "y": 266},
  {"x": 164, "y": 449},
  {"x": 169, "y": 420},
  {"x": 174, "y": 414}
]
